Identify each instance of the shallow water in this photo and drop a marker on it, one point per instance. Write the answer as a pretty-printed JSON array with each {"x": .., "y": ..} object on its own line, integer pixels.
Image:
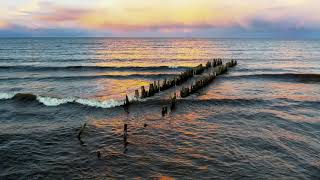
[{"x": 258, "y": 121}]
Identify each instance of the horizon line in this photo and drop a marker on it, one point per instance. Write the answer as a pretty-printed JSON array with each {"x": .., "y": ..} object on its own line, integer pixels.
[{"x": 156, "y": 37}]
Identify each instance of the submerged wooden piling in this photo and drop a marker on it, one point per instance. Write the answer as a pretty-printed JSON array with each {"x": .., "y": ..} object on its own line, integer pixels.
[
  {"x": 164, "y": 110},
  {"x": 80, "y": 132},
  {"x": 98, "y": 154},
  {"x": 173, "y": 102},
  {"x": 125, "y": 128},
  {"x": 185, "y": 91},
  {"x": 232, "y": 63}
]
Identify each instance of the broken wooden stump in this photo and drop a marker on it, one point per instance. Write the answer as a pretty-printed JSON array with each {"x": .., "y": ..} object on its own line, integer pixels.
[
  {"x": 136, "y": 94},
  {"x": 164, "y": 110}
]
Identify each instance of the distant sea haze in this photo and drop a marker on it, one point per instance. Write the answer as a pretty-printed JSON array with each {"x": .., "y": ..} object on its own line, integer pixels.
[{"x": 258, "y": 121}]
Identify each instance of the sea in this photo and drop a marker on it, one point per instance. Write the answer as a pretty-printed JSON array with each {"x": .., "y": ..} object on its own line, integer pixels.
[{"x": 260, "y": 120}]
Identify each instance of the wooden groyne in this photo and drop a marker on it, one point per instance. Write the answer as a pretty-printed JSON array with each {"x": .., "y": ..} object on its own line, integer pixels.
[
  {"x": 214, "y": 67},
  {"x": 206, "y": 80},
  {"x": 203, "y": 76},
  {"x": 166, "y": 84}
]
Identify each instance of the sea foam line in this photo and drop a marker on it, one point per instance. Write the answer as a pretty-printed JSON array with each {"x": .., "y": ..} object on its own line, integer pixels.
[
  {"x": 7, "y": 95},
  {"x": 55, "y": 101}
]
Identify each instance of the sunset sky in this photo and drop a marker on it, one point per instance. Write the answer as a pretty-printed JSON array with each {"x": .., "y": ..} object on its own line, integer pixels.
[{"x": 160, "y": 18}]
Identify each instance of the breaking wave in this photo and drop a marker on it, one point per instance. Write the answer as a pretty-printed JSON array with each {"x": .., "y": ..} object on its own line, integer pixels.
[{"x": 55, "y": 101}]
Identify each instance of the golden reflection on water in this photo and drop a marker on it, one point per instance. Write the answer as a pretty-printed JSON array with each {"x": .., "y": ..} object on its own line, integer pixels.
[
  {"x": 165, "y": 178},
  {"x": 127, "y": 73},
  {"x": 118, "y": 88},
  {"x": 160, "y": 53}
]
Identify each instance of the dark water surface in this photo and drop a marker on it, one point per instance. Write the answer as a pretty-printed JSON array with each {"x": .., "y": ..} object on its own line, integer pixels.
[{"x": 259, "y": 121}]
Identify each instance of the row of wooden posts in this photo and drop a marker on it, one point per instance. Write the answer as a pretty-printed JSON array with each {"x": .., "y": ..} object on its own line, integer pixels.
[
  {"x": 156, "y": 87},
  {"x": 187, "y": 91},
  {"x": 183, "y": 77}
]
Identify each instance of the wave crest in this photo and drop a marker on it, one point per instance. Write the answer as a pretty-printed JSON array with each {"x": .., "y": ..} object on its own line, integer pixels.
[
  {"x": 6, "y": 95},
  {"x": 55, "y": 101}
]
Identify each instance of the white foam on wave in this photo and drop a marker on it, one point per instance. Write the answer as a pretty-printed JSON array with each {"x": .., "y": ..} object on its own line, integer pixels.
[
  {"x": 6, "y": 95},
  {"x": 55, "y": 101},
  {"x": 102, "y": 104},
  {"x": 173, "y": 67},
  {"x": 52, "y": 101}
]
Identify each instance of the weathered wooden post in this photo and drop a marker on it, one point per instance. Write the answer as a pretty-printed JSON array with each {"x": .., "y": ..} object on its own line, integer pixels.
[
  {"x": 127, "y": 101},
  {"x": 164, "y": 110},
  {"x": 126, "y": 105},
  {"x": 143, "y": 92},
  {"x": 136, "y": 94},
  {"x": 125, "y": 128},
  {"x": 173, "y": 102},
  {"x": 208, "y": 65},
  {"x": 151, "y": 90},
  {"x": 98, "y": 154}
]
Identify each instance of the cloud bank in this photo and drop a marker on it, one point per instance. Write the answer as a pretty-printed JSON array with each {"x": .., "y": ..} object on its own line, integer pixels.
[{"x": 207, "y": 18}]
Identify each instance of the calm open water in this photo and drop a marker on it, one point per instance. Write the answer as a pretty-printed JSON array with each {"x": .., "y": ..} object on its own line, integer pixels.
[{"x": 259, "y": 121}]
